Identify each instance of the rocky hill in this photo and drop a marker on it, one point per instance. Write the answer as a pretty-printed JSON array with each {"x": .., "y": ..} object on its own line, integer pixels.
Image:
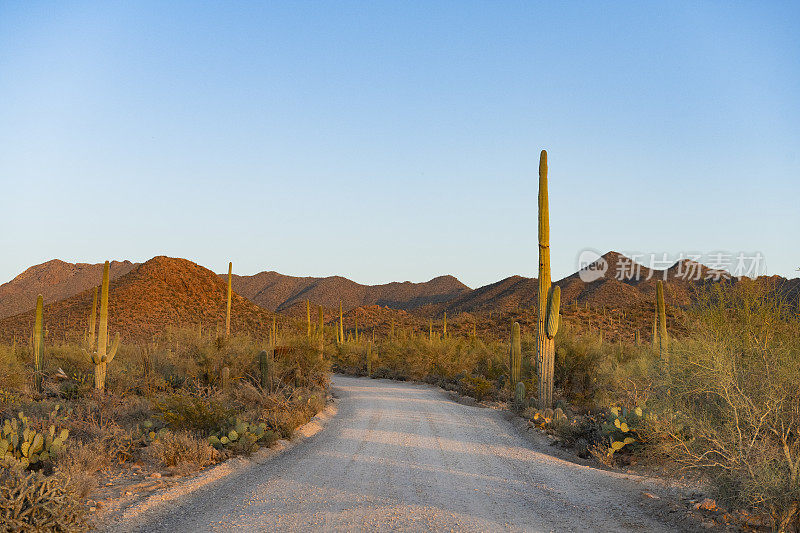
[
  {"x": 160, "y": 293},
  {"x": 54, "y": 280}
]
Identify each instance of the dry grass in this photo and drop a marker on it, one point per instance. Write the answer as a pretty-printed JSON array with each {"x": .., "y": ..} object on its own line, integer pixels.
[{"x": 181, "y": 452}]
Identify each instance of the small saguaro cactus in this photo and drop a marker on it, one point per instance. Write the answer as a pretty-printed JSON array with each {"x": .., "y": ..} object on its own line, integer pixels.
[
  {"x": 545, "y": 346},
  {"x": 38, "y": 346},
  {"x": 308, "y": 318},
  {"x": 515, "y": 356},
  {"x": 230, "y": 291},
  {"x": 320, "y": 334},
  {"x": 225, "y": 377},
  {"x": 444, "y": 326},
  {"x": 661, "y": 317},
  {"x": 265, "y": 369},
  {"x": 369, "y": 358},
  {"x": 99, "y": 354},
  {"x": 430, "y": 329},
  {"x": 519, "y": 396}
]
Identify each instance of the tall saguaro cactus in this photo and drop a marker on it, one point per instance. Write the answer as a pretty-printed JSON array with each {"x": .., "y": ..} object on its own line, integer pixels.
[
  {"x": 549, "y": 300},
  {"x": 515, "y": 356},
  {"x": 341, "y": 323},
  {"x": 38, "y": 346},
  {"x": 228, "y": 311},
  {"x": 661, "y": 320},
  {"x": 444, "y": 326},
  {"x": 100, "y": 355}
]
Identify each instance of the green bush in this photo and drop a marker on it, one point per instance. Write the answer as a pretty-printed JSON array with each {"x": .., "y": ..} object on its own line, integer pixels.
[
  {"x": 195, "y": 412},
  {"x": 729, "y": 400}
]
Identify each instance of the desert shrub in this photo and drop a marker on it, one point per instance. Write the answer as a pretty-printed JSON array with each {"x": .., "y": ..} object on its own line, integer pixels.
[
  {"x": 730, "y": 403},
  {"x": 30, "y": 501},
  {"x": 181, "y": 451},
  {"x": 13, "y": 372},
  {"x": 196, "y": 412},
  {"x": 477, "y": 387}
]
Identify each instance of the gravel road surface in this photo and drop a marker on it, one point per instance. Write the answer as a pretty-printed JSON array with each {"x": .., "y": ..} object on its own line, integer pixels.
[{"x": 403, "y": 456}]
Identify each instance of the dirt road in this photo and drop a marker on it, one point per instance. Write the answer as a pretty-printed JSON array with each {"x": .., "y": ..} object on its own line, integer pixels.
[{"x": 402, "y": 456}]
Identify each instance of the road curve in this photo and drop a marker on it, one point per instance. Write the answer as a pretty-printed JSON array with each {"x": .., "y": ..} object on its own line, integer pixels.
[{"x": 402, "y": 456}]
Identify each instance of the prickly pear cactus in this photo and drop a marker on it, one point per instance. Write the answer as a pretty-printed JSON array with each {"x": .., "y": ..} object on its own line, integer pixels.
[
  {"x": 620, "y": 427},
  {"x": 245, "y": 435},
  {"x": 23, "y": 446}
]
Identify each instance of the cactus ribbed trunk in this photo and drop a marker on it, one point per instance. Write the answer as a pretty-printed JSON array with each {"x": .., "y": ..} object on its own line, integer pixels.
[
  {"x": 515, "y": 356},
  {"x": 545, "y": 346},
  {"x": 663, "y": 339},
  {"x": 38, "y": 346},
  {"x": 228, "y": 310}
]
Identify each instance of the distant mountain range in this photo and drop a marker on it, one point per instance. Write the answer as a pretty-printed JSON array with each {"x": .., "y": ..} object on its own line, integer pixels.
[
  {"x": 164, "y": 291},
  {"x": 278, "y": 292}
]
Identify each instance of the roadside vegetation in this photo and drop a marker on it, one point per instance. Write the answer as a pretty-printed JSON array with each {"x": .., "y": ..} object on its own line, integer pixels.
[
  {"x": 721, "y": 400},
  {"x": 77, "y": 412}
]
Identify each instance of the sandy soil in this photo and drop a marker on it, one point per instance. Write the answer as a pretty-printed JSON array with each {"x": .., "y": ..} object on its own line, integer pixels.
[{"x": 402, "y": 456}]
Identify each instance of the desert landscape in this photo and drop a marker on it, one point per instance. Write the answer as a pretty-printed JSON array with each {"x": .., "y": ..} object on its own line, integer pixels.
[{"x": 378, "y": 267}]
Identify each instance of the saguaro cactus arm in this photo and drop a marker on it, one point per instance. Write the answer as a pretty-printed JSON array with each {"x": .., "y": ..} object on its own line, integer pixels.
[
  {"x": 114, "y": 347},
  {"x": 93, "y": 319},
  {"x": 553, "y": 312}
]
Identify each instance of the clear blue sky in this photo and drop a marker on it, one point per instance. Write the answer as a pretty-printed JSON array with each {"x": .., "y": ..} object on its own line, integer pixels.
[{"x": 396, "y": 140}]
